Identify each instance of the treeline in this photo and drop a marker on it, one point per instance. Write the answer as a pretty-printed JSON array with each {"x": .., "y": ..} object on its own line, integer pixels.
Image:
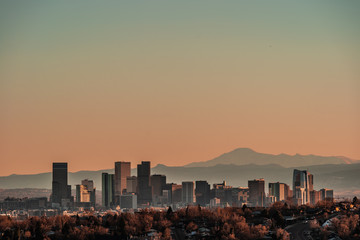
[{"x": 221, "y": 223}]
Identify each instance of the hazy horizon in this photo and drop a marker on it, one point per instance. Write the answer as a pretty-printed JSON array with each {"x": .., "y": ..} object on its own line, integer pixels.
[
  {"x": 134, "y": 165},
  {"x": 91, "y": 83}
]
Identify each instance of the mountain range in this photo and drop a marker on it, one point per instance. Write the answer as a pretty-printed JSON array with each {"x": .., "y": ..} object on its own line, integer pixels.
[
  {"x": 244, "y": 156},
  {"x": 236, "y": 167}
]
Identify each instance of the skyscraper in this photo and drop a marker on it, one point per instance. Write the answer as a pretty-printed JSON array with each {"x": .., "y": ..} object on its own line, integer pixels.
[
  {"x": 315, "y": 197},
  {"x": 202, "y": 193},
  {"x": 89, "y": 186},
  {"x": 131, "y": 184},
  {"x": 311, "y": 182},
  {"x": 108, "y": 189},
  {"x": 158, "y": 183},
  {"x": 174, "y": 192},
  {"x": 326, "y": 194},
  {"x": 144, "y": 187},
  {"x": 257, "y": 192},
  {"x": 279, "y": 191},
  {"x": 82, "y": 194},
  {"x": 122, "y": 171},
  {"x": 188, "y": 192},
  {"x": 302, "y": 181},
  {"x": 61, "y": 191}
]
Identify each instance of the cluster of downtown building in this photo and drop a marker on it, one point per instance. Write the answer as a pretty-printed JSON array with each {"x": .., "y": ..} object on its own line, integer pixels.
[{"x": 121, "y": 190}]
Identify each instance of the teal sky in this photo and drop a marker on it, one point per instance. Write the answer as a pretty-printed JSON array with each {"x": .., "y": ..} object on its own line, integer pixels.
[{"x": 93, "y": 82}]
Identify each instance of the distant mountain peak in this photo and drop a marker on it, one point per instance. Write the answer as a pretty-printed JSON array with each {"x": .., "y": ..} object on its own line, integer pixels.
[
  {"x": 160, "y": 166},
  {"x": 245, "y": 156}
]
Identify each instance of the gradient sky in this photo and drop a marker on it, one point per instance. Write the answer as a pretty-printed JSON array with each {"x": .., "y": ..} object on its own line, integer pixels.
[{"x": 94, "y": 82}]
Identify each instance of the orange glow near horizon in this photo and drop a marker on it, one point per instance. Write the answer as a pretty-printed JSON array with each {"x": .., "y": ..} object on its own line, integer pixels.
[{"x": 133, "y": 83}]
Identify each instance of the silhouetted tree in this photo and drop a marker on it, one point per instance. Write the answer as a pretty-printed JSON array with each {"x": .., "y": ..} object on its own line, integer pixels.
[
  {"x": 244, "y": 207},
  {"x": 169, "y": 212}
]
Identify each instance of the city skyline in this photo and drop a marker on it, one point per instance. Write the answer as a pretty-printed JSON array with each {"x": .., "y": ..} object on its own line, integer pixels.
[
  {"x": 153, "y": 190},
  {"x": 179, "y": 120},
  {"x": 174, "y": 82}
]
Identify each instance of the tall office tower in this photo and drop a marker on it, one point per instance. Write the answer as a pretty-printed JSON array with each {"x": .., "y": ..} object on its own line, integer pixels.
[
  {"x": 108, "y": 190},
  {"x": 122, "y": 171},
  {"x": 158, "y": 183},
  {"x": 61, "y": 191},
  {"x": 82, "y": 194},
  {"x": 326, "y": 194},
  {"x": 301, "y": 186},
  {"x": 222, "y": 192},
  {"x": 202, "y": 193},
  {"x": 315, "y": 197},
  {"x": 144, "y": 187},
  {"x": 131, "y": 184},
  {"x": 188, "y": 192},
  {"x": 85, "y": 192},
  {"x": 288, "y": 192},
  {"x": 279, "y": 191},
  {"x": 311, "y": 182},
  {"x": 174, "y": 192},
  {"x": 89, "y": 184},
  {"x": 257, "y": 192}
]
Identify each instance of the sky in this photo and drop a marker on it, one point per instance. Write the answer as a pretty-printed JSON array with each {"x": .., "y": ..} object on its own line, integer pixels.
[{"x": 172, "y": 82}]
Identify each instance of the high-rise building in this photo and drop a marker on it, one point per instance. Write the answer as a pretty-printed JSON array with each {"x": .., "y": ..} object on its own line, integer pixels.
[
  {"x": 311, "y": 182},
  {"x": 242, "y": 196},
  {"x": 131, "y": 184},
  {"x": 108, "y": 189},
  {"x": 122, "y": 171},
  {"x": 279, "y": 191},
  {"x": 158, "y": 183},
  {"x": 302, "y": 181},
  {"x": 144, "y": 187},
  {"x": 86, "y": 192},
  {"x": 223, "y": 192},
  {"x": 61, "y": 191},
  {"x": 202, "y": 193},
  {"x": 315, "y": 197},
  {"x": 174, "y": 193},
  {"x": 326, "y": 194},
  {"x": 257, "y": 192},
  {"x": 128, "y": 201},
  {"x": 82, "y": 194},
  {"x": 288, "y": 192},
  {"x": 188, "y": 192}
]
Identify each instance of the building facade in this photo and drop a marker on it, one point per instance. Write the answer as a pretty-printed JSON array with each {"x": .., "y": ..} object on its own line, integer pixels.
[
  {"x": 279, "y": 190},
  {"x": 315, "y": 197},
  {"x": 144, "y": 184},
  {"x": 188, "y": 192},
  {"x": 131, "y": 184},
  {"x": 326, "y": 194},
  {"x": 302, "y": 182},
  {"x": 158, "y": 183},
  {"x": 257, "y": 192},
  {"x": 122, "y": 171},
  {"x": 108, "y": 190},
  {"x": 61, "y": 191},
  {"x": 202, "y": 193},
  {"x": 85, "y": 192},
  {"x": 128, "y": 201}
]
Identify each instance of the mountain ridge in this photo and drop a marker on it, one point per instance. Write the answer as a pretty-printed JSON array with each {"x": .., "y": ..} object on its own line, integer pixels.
[
  {"x": 326, "y": 170},
  {"x": 243, "y": 156}
]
